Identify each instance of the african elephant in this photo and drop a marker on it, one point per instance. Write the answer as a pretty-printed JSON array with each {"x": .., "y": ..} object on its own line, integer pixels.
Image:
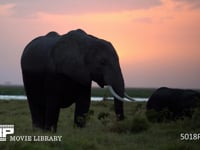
[
  {"x": 179, "y": 102},
  {"x": 58, "y": 70}
]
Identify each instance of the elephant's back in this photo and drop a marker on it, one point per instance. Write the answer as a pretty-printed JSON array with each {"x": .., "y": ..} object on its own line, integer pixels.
[
  {"x": 35, "y": 57},
  {"x": 172, "y": 98},
  {"x": 160, "y": 98}
]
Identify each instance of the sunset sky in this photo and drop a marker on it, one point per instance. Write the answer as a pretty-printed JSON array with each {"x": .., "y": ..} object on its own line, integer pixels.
[{"x": 158, "y": 41}]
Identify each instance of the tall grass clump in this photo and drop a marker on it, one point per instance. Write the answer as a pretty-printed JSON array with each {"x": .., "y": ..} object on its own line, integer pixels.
[
  {"x": 159, "y": 116},
  {"x": 139, "y": 123},
  {"x": 195, "y": 123},
  {"x": 136, "y": 124}
]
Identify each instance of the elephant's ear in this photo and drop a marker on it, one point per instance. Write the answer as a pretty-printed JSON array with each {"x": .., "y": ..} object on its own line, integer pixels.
[{"x": 68, "y": 56}]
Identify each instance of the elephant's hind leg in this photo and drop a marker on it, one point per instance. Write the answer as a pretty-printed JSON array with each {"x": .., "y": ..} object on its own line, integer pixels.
[{"x": 35, "y": 93}]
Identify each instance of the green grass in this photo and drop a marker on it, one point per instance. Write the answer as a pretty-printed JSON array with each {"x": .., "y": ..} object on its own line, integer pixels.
[
  {"x": 11, "y": 90},
  {"x": 135, "y": 132}
]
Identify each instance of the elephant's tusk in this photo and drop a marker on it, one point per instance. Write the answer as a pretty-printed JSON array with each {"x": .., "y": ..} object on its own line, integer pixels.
[
  {"x": 115, "y": 94},
  {"x": 128, "y": 97}
]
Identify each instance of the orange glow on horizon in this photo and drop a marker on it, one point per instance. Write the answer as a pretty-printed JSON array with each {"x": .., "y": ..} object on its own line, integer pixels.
[{"x": 137, "y": 34}]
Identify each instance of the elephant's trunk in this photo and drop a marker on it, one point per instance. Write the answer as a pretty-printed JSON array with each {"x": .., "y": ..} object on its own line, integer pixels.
[
  {"x": 117, "y": 89},
  {"x": 115, "y": 83}
]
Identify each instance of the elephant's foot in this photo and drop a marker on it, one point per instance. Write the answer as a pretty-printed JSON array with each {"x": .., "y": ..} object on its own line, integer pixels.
[
  {"x": 45, "y": 128},
  {"x": 50, "y": 129},
  {"x": 120, "y": 117},
  {"x": 37, "y": 127},
  {"x": 80, "y": 121}
]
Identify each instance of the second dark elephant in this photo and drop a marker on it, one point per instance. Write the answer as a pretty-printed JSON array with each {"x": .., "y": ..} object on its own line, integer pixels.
[
  {"x": 178, "y": 102},
  {"x": 58, "y": 70}
]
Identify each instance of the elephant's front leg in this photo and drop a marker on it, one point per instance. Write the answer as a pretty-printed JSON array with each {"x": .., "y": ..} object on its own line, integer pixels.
[
  {"x": 82, "y": 106},
  {"x": 119, "y": 111},
  {"x": 52, "y": 107}
]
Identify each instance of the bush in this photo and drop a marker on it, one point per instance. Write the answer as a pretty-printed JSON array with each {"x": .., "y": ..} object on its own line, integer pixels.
[
  {"x": 196, "y": 119},
  {"x": 120, "y": 127},
  {"x": 104, "y": 117},
  {"x": 159, "y": 116},
  {"x": 139, "y": 124},
  {"x": 152, "y": 115}
]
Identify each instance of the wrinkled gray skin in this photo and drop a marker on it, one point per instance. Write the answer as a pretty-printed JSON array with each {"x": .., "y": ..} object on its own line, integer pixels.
[{"x": 58, "y": 71}]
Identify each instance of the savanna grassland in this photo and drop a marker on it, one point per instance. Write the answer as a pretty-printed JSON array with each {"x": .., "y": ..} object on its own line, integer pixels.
[{"x": 102, "y": 130}]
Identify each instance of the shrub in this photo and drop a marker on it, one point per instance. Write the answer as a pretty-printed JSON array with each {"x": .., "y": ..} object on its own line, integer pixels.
[
  {"x": 139, "y": 124},
  {"x": 137, "y": 108},
  {"x": 159, "y": 116},
  {"x": 104, "y": 117},
  {"x": 196, "y": 119},
  {"x": 120, "y": 127}
]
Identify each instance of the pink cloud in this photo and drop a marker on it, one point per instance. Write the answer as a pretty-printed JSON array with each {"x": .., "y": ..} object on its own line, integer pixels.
[
  {"x": 29, "y": 8},
  {"x": 6, "y": 9},
  {"x": 192, "y": 3}
]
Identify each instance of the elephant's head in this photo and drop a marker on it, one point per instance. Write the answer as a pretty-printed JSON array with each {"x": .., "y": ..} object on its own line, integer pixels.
[{"x": 86, "y": 58}]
